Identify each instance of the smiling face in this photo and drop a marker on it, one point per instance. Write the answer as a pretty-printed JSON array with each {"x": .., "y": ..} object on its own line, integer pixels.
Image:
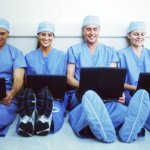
[
  {"x": 45, "y": 39},
  {"x": 91, "y": 33},
  {"x": 137, "y": 38},
  {"x": 3, "y": 37}
]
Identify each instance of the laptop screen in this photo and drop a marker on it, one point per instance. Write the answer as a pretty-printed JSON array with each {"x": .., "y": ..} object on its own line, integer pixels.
[
  {"x": 144, "y": 81},
  {"x": 2, "y": 88},
  {"x": 108, "y": 83},
  {"x": 55, "y": 83}
]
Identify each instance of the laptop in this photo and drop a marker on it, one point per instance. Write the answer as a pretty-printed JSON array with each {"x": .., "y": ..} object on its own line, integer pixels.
[
  {"x": 2, "y": 88},
  {"x": 55, "y": 83},
  {"x": 108, "y": 83},
  {"x": 144, "y": 82}
]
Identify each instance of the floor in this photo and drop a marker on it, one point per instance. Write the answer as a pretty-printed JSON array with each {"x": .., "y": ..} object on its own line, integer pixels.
[{"x": 66, "y": 140}]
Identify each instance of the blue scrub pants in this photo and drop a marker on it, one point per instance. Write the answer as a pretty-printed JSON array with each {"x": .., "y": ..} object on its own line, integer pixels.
[
  {"x": 7, "y": 116},
  {"x": 58, "y": 114},
  {"x": 104, "y": 118}
]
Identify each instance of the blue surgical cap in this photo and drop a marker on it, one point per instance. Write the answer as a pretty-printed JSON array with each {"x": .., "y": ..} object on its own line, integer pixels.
[
  {"x": 46, "y": 27},
  {"x": 89, "y": 20},
  {"x": 4, "y": 24},
  {"x": 134, "y": 25}
]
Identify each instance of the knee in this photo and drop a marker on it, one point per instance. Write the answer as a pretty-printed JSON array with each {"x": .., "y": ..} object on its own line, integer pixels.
[
  {"x": 143, "y": 95},
  {"x": 91, "y": 95},
  {"x": 142, "y": 92}
]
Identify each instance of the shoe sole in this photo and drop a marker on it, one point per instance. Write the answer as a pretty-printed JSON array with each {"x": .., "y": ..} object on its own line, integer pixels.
[
  {"x": 44, "y": 102},
  {"x": 26, "y": 102}
]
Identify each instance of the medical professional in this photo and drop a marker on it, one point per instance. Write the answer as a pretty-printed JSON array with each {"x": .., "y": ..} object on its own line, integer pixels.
[
  {"x": 12, "y": 64},
  {"x": 49, "y": 112},
  {"x": 136, "y": 58},
  {"x": 92, "y": 117}
]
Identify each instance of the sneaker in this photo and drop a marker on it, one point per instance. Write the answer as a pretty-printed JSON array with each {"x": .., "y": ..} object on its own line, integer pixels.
[
  {"x": 44, "y": 102},
  {"x": 44, "y": 107},
  {"x": 26, "y": 126},
  {"x": 42, "y": 126},
  {"x": 26, "y": 108},
  {"x": 26, "y": 102}
]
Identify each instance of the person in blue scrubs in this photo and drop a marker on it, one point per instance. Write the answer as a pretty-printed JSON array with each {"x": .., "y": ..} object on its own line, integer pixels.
[
  {"x": 136, "y": 58},
  {"x": 92, "y": 117},
  {"x": 49, "y": 112},
  {"x": 12, "y": 64}
]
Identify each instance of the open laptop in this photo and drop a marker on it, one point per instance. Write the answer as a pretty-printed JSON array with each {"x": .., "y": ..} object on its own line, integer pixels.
[
  {"x": 108, "y": 83},
  {"x": 144, "y": 81},
  {"x": 2, "y": 88},
  {"x": 55, "y": 83}
]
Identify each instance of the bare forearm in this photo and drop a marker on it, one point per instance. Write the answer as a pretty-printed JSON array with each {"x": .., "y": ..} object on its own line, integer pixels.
[
  {"x": 73, "y": 82},
  {"x": 70, "y": 76},
  {"x": 129, "y": 87},
  {"x": 18, "y": 76},
  {"x": 18, "y": 81},
  {"x": 17, "y": 85}
]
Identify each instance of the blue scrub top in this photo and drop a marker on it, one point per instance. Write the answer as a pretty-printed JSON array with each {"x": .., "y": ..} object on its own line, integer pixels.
[
  {"x": 10, "y": 59},
  {"x": 80, "y": 56},
  {"x": 53, "y": 63},
  {"x": 134, "y": 64}
]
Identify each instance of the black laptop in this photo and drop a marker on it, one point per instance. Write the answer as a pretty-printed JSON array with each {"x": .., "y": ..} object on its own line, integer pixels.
[
  {"x": 2, "y": 88},
  {"x": 144, "y": 81},
  {"x": 107, "y": 82},
  {"x": 55, "y": 83}
]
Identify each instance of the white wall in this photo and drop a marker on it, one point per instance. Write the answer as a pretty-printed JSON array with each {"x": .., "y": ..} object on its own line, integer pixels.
[{"x": 67, "y": 15}]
